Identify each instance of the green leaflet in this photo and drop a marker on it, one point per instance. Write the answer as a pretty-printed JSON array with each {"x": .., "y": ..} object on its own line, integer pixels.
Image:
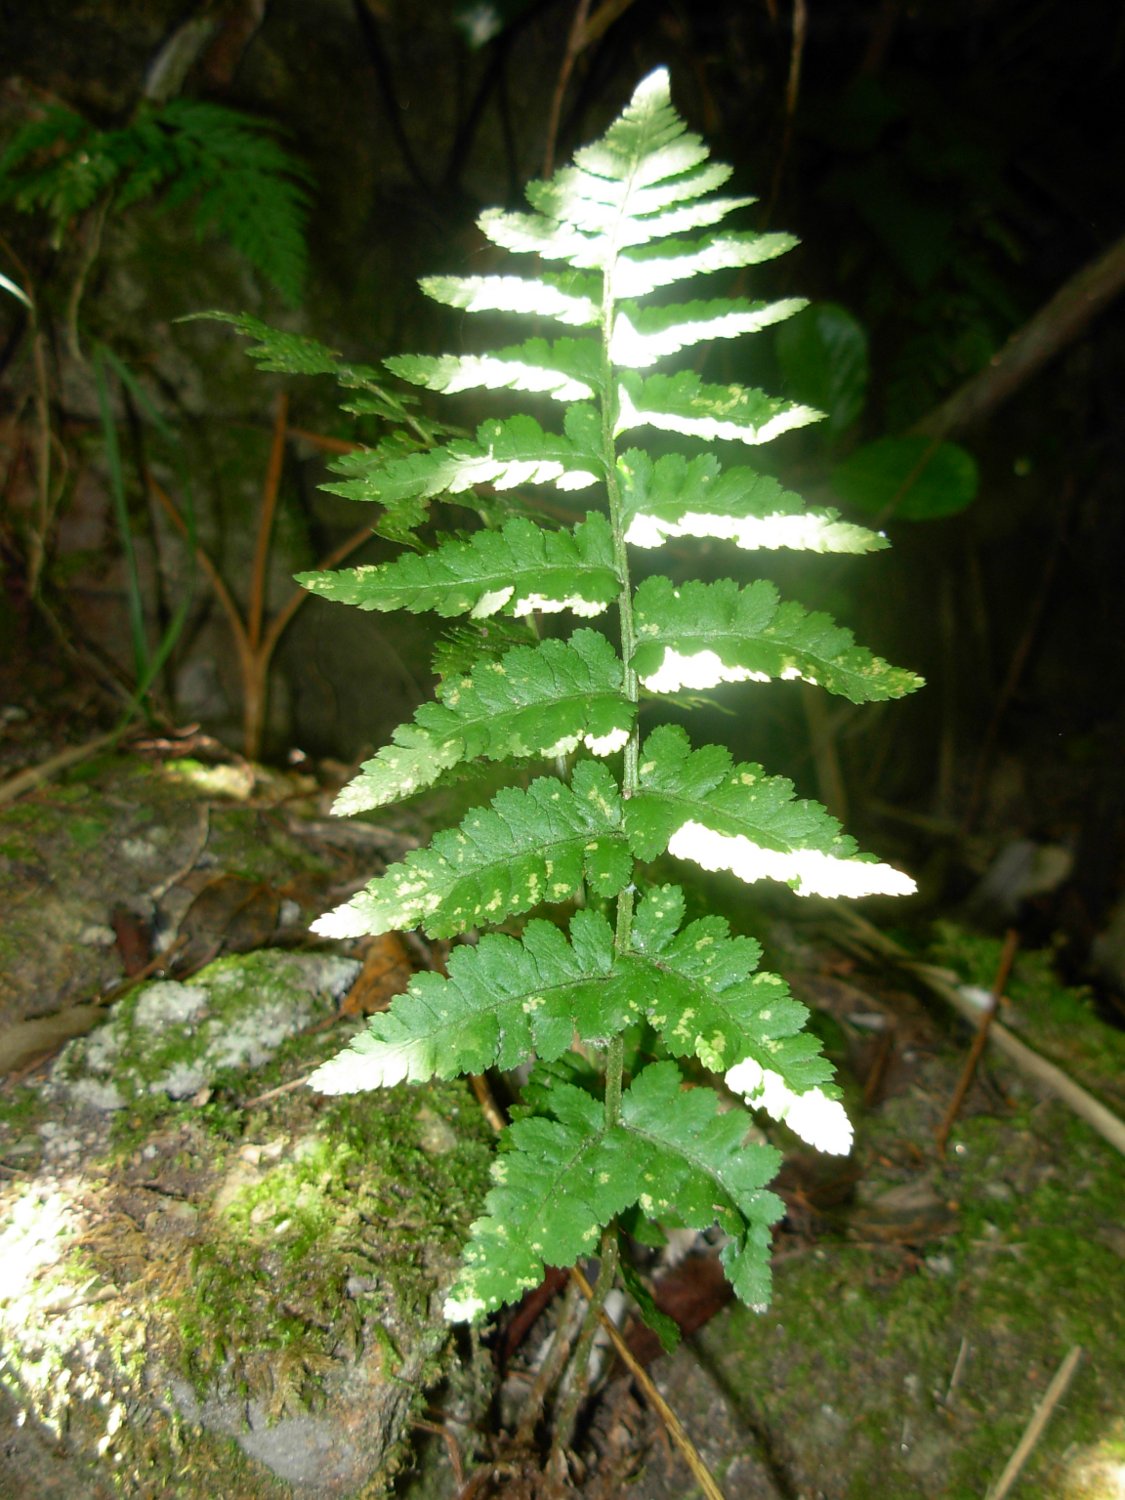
[
  {"x": 504, "y": 1000},
  {"x": 699, "y": 805},
  {"x": 566, "y": 370},
  {"x": 526, "y": 847},
  {"x": 514, "y": 294},
  {"x": 683, "y": 403},
  {"x": 506, "y": 454},
  {"x": 564, "y": 1177},
  {"x": 645, "y": 270},
  {"x": 704, "y": 997},
  {"x": 701, "y": 634},
  {"x": 643, "y": 336},
  {"x": 542, "y": 700},
  {"x": 676, "y": 496},
  {"x": 520, "y": 568}
]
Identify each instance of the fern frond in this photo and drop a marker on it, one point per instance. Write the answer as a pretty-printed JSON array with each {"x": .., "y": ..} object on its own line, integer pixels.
[
  {"x": 698, "y": 805},
  {"x": 249, "y": 187},
  {"x": 524, "y": 848},
  {"x": 676, "y": 497},
  {"x": 231, "y": 164},
  {"x": 541, "y": 700},
  {"x": 701, "y": 634},
  {"x": 518, "y": 569}
]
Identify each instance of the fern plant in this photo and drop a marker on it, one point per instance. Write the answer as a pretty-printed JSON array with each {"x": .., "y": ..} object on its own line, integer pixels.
[
  {"x": 242, "y": 181},
  {"x": 627, "y": 1010}
]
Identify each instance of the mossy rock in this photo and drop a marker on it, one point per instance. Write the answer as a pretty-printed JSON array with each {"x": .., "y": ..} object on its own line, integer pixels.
[{"x": 224, "y": 1283}]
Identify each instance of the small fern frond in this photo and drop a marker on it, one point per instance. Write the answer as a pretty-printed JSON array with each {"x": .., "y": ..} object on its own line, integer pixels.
[{"x": 243, "y": 181}]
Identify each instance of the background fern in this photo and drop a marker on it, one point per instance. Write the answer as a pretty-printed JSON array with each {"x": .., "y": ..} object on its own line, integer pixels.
[
  {"x": 661, "y": 1005},
  {"x": 243, "y": 182}
]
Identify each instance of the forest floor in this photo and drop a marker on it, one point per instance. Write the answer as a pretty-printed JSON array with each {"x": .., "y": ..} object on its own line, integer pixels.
[{"x": 925, "y": 1300}]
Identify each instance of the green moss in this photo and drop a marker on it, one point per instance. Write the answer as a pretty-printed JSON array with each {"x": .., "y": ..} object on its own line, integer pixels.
[{"x": 1059, "y": 1020}]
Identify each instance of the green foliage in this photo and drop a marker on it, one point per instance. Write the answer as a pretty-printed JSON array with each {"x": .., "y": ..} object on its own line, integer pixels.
[
  {"x": 823, "y": 356},
  {"x": 909, "y": 478},
  {"x": 242, "y": 181},
  {"x": 594, "y": 1139}
]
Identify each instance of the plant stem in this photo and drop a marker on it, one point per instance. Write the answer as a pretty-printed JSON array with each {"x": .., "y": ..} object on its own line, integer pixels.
[
  {"x": 575, "y": 1393},
  {"x": 615, "y": 1051}
]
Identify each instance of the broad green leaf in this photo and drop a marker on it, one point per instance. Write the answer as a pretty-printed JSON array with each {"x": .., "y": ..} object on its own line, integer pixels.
[
  {"x": 542, "y": 700},
  {"x": 514, "y": 294},
  {"x": 506, "y": 454},
  {"x": 526, "y": 847},
  {"x": 564, "y": 1177},
  {"x": 823, "y": 356},
  {"x": 504, "y": 999},
  {"x": 701, "y": 634},
  {"x": 566, "y": 370},
  {"x": 698, "y": 805},
  {"x": 705, "y": 999},
  {"x": 908, "y": 479},
  {"x": 642, "y": 336},
  {"x": 518, "y": 569},
  {"x": 683, "y": 403}
]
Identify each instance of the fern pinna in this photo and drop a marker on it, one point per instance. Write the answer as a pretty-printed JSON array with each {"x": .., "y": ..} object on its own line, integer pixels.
[{"x": 600, "y": 1135}]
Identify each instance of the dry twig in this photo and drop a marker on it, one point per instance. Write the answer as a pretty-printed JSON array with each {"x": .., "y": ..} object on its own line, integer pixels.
[{"x": 1034, "y": 1429}]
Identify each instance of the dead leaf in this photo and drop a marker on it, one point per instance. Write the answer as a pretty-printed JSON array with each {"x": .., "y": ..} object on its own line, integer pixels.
[
  {"x": 385, "y": 973},
  {"x": 26, "y": 1040}
]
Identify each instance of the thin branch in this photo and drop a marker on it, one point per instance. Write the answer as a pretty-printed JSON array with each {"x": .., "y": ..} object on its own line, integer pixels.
[
  {"x": 574, "y": 44},
  {"x": 999, "y": 984},
  {"x": 270, "y": 488},
  {"x": 942, "y": 983},
  {"x": 1032, "y": 346},
  {"x": 1034, "y": 1430},
  {"x": 792, "y": 94}
]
